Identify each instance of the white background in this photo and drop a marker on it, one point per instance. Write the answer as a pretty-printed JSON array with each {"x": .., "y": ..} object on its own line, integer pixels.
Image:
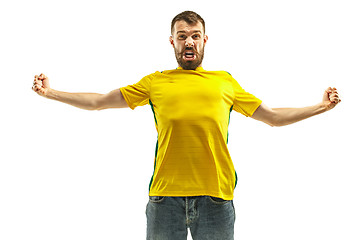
[{"x": 67, "y": 173}]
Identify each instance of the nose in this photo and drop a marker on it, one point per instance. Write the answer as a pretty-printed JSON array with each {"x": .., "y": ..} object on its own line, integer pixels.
[{"x": 189, "y": 42}]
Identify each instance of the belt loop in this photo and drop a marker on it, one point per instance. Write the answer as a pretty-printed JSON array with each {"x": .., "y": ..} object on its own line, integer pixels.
[{"x": 187, "y": 211}]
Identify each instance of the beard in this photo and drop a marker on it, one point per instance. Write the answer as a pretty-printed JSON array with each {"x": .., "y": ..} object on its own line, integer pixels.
[{"x": 186, "y": 64}]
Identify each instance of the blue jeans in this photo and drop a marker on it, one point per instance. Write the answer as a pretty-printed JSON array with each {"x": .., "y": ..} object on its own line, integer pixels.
[{"x": 168, "y": 218}]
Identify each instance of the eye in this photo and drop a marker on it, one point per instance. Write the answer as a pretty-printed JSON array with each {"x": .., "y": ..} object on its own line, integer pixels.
[
  {"x": 196, "y": 36},
  {"x": 182, "y": 37}
]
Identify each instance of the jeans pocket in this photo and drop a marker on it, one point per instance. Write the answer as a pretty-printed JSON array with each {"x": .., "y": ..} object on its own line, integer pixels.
[
  {"x": 156, "y": 199},
  {"x": 218, "y": 200}
]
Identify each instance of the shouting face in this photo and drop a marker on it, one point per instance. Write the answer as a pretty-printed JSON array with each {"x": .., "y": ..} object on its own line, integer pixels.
[{"x": 188, "y": 42}]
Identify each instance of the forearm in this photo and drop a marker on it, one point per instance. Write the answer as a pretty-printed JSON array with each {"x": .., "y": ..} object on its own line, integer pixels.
[
  {"x": 87, "y": 101},
  {"x": 286, "y": 116}
]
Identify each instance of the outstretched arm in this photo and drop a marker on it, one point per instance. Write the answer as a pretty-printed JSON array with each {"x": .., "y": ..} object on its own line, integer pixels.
[
  {"x": 87, "y": 101},
  {"x": 284, "y": 116}
]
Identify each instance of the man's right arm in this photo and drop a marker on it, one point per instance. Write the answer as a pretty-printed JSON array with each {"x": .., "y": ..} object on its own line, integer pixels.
[{"x": 87, "y": 101}]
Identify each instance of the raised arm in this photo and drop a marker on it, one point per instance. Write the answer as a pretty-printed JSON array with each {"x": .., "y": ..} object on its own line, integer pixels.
[
  {"x": 284, "y": 116},
  {"x": 87, "y": 101}
]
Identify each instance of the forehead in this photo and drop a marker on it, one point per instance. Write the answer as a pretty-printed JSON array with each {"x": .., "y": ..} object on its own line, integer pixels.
[{"x": 182, "y": 26}]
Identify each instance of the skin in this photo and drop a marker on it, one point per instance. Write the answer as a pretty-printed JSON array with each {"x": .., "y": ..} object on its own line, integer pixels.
[
  {"x": 186, "y": 36},
  {"x": 87, "y": 101},
  {"x": 183, "y": 36}
]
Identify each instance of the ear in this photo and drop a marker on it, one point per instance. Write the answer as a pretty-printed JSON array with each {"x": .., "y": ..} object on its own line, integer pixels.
[
  {"x": 171, "y": 39},
  {"x": 206, "y": 38}
]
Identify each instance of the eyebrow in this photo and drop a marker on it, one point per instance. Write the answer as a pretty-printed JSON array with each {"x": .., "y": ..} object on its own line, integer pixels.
[{"x": 195, "y": 31}]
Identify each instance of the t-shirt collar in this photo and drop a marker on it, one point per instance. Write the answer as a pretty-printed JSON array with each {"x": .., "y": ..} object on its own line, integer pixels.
[{"x": 197, "y": 69}]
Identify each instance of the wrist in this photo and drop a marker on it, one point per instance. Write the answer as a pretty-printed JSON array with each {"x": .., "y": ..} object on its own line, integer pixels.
[
  {"x": 322, "y": 107},
  {"x": 49, "y": 93}
]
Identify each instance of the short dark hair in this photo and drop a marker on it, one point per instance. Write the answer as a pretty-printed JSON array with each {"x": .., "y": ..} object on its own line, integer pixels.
[{"x": 189, "y": 17}]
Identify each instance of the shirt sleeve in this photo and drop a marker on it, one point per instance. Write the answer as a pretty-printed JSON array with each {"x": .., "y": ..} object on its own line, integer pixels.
[
  {"x": 138, "y": 94},
  {"x": 244, "y": 102}
]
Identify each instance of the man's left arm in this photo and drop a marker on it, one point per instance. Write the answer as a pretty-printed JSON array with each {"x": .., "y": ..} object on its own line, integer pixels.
[{"x": 284, "y": 116}]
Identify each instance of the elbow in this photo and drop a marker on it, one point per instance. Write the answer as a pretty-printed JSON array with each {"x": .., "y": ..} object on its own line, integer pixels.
[
  {"x": 97, "y": 103},
  {"x": 275, "y": 120},
  {"x": 97, "y": 108},
  {"x": 272, "y": 124},
  {"x": 269, "y": 116},
  {"x": 92, "y": 106},
  {"x": 278, "y": 122},
  {"x": 275, "y": 124}
]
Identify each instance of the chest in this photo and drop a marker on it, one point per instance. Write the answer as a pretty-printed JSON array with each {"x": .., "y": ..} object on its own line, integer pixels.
[{"x": 192, "y": 98}]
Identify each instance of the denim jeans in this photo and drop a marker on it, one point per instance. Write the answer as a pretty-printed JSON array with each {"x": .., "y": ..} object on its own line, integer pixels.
[{"x": 168, "y": 218}]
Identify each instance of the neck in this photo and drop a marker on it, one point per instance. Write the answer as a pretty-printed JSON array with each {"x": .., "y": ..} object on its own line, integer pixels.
[{"x": 200, "y": 66}]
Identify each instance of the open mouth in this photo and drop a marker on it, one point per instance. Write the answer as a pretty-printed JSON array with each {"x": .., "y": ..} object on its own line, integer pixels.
[{"x": 189, "y": 55}]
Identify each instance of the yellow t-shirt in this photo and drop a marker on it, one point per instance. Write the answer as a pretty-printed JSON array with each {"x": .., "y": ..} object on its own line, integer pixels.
[{"x": 192, "y": 110}]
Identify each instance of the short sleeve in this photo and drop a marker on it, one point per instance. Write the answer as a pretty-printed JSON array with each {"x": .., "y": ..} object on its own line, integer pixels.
[
  {"x": 244, "y": 102},
  {"x": 138, "y": 94}
]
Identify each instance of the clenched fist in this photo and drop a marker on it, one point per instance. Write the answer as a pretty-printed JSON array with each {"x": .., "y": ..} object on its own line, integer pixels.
[
  {"x": 331, "y": 98},
  {"x": 41, "y": 85}
]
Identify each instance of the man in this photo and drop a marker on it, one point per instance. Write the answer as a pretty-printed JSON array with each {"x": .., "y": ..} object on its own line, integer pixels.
[{"x": 194, "y": 177}]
